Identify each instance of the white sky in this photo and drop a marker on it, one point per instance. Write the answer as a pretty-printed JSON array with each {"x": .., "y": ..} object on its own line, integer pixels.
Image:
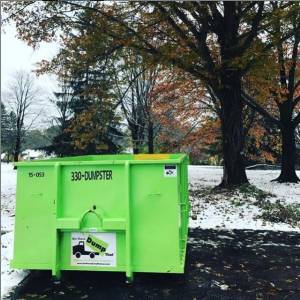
[{"x": 16, "y": 55}]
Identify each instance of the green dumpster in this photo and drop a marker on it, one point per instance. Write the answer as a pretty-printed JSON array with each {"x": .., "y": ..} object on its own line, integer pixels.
[{"x": 126, "y": 213}]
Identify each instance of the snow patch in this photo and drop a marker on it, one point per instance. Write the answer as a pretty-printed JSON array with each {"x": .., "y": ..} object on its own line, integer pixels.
[
  {"x": 30, "y": 154},
  {"x": 9, "y": 277},
  {"x": 238, "y": 213}
]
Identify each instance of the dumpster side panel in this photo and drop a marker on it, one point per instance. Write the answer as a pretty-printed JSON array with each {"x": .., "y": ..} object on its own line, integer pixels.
[
  {"x": 34, "y": 217},
  {"x": 184, "y": 208},
  {"x": 154, "y": 219}
]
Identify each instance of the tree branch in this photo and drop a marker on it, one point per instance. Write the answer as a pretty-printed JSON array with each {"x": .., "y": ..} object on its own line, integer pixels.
[
  {"x": 200, "y": 37},
  {"x": 296, "y": 101},
  {"x": 292, "y": 70},
  {"x": 268, "y": 46},
  {"x": 254, "y": 105},
  {"x": 198, "y": 71},
  {"x": 178, "y": 30},
  {"x": 296, "y": 120},
  {"x": 254, "y": 29}
]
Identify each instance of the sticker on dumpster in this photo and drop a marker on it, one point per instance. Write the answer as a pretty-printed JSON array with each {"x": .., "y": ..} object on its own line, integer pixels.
[
  {"x": 93, "y": 249},
  {"x": 170, "y": 171}
]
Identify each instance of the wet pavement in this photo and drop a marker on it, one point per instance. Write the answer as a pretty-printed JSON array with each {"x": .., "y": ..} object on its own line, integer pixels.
[{"x": 227, "y": 265}]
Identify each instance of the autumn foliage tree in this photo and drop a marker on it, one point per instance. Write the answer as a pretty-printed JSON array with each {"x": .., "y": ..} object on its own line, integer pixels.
[
  {"x": 181, "y": 107},
  {"x": 188, "y": 121},
  {"x": 93, "y": 124},
  {"x": 273, "y": 87},
  {"x": 215, "y": 42}
]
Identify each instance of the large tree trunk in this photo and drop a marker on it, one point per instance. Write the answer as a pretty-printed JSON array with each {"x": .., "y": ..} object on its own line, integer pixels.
[
  {"x": 234, "y": 173},
  {"x": 288, "y": 155},
  {"x": 150, "y": 138},
  {"x": 229, "y": 93}
]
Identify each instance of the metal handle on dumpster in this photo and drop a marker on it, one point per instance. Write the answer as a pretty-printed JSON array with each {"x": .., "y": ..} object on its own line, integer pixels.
[{"x": 99, "y": 216}]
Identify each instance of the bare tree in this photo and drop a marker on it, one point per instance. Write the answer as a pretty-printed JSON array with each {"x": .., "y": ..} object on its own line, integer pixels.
[
  {"x": 21, "y": 96},
  {"x": 135, "y": 101}
]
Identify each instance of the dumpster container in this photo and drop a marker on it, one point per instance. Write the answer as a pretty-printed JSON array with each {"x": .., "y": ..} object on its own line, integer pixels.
[{"x": 126, "y": 213}]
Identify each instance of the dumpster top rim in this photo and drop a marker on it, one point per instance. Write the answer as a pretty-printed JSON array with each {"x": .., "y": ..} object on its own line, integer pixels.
[{"x": 109, "y": 159}]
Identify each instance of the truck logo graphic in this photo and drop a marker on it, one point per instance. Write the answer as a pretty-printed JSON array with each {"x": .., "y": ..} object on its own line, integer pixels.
[
  {"x": 169, "y": 172},
  {"x": 79, "y": 250},
  {"x": 98, "y": 247}
]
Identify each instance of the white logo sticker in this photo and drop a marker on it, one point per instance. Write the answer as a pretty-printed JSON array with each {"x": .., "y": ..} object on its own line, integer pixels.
[
  {"x": 93, "y": 249},
  {"x": 170, "y": 171}
]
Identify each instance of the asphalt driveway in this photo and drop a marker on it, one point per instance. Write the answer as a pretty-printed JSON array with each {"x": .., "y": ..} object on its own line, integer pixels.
[{"x": 238, "y": 264}]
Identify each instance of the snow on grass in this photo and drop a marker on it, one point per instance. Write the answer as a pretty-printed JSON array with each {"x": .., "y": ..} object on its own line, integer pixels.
[
  {"x": 210, "y": 209},
  {"x": 8, "y": 194},
  {"x": 9, "y": 277},
  {"x": 289, "y": 192}
]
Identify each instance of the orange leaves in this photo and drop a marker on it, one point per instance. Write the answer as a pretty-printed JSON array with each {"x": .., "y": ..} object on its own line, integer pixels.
[
  {"x": 179, "y": 105},
  {"x": 258, "y": 143},
  {"x": 88, "y": 128},
  {"x": 257, "y": 132}
]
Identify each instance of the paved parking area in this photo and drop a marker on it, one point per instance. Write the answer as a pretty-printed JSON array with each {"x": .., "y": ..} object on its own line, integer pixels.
[{"x": 238, "y": 264}]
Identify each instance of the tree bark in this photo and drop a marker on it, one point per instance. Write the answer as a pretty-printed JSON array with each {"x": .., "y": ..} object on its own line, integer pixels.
[
  {"x": 134, "y": 138},
  {"x": 137, "y": 137},
  {"x": 288, "y": 152},
  {"x": 17, "y": 149},
  {"x": 288, "y": 155},
  {"x": 150, "y": 138},
  {"x": 234, "y": 172}
]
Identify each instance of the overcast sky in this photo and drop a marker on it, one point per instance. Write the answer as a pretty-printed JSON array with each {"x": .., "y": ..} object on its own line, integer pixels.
[{"x": 16, "y": 55}]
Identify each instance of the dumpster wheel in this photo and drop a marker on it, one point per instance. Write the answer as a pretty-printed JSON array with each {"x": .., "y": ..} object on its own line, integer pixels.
[{"x": 92, "y": 255}]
